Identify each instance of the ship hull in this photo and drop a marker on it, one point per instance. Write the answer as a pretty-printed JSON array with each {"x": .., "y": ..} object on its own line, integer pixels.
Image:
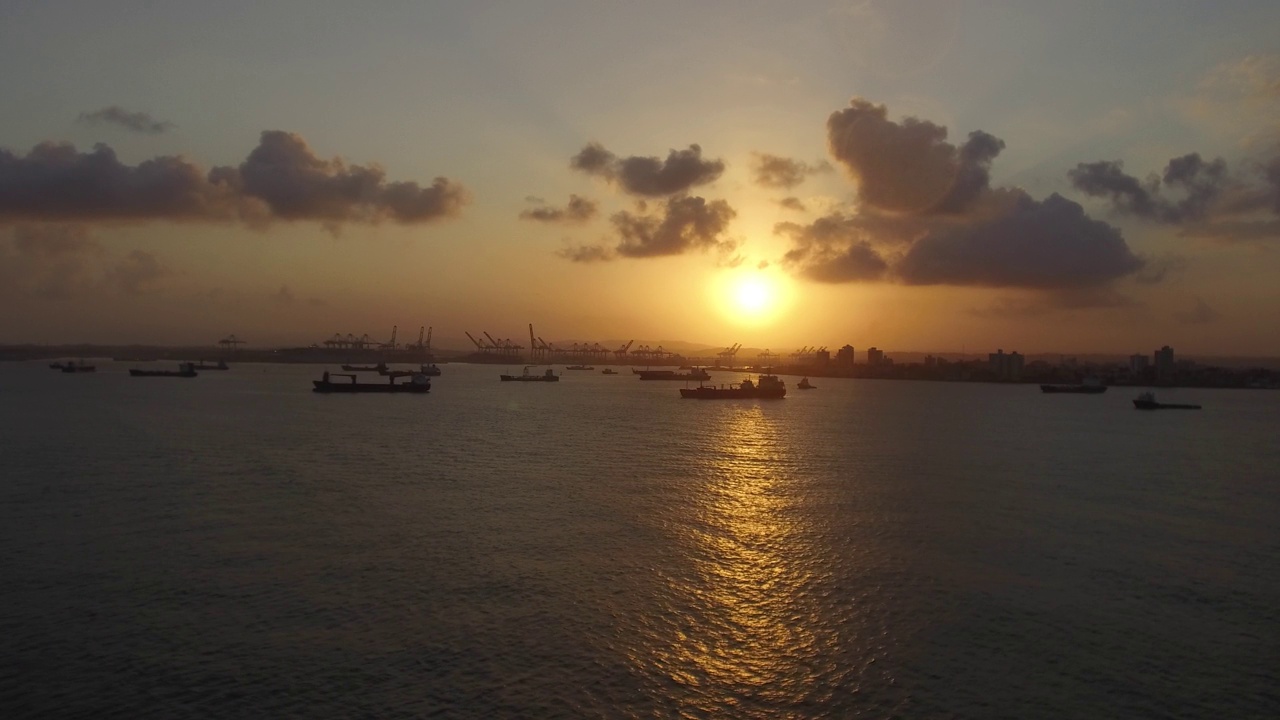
[
  {"x": 529, "y": 378},
  {"x": 1074, "y": 389},
  {"x": 1152, "y": 405},
  {"x": 331, "y": 387},
  {"x": 709, "y": 393},
  {"x": 161, "y": 373}
]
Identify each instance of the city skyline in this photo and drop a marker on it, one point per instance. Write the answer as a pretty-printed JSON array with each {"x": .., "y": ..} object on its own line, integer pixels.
[{"x": 927, "y": 177}]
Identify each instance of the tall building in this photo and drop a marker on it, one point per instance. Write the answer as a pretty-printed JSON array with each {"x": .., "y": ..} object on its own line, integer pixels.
[
  {"x": 1164, "y": 364},
  {"x": 875, "y": 356},
  {"x": 1006, "y": 366},
  {"x": 845, "y": 356},
  {"x": 1138, "y": 365}
]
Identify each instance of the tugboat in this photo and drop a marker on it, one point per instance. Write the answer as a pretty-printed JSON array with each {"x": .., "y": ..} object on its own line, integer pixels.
[
  {"x": 806, "y": 385},
  {"x": 185, "y": 370},
  {"x": 766, "y": 387},
  {"x": 526, "y": 376},
  {"x": 1090, "y": 386},
  {"x": 418, "y": 384},
  {"x": 693, "y": 374},
  {"x": 608, "y": 371},
  {"x": 1147, "y": 401},
  {"x": 365, "y": 368}
]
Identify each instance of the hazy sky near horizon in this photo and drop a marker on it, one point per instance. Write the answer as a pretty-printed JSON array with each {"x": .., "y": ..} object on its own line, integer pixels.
[{"x": 929, "y": 176}]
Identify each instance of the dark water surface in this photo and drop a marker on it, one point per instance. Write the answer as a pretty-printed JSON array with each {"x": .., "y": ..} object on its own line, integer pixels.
[{"x": 237, "y": 546}]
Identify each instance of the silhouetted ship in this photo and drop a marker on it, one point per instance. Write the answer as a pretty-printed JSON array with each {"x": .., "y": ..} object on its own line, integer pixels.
[
  {"x": 806, "y": 385},
  {"x": 185, "y": 370},
  {"x": 418, "y": 384},
  {"x": 767, "y": 387},
  {"x": 73, "y": 367},
  {"x": 1147, "y": 401},
  {"x": 608, "y": 371},
  {"x": 1090, "y": 386},
  {"x": 579, "y": 367},
  {"x": 220, "y": 365},
  {"x": 526, "y": 376},
  {"x": 694, "y": 374},
  {"x": 428, "y": 370},
  {"x": 365, "y": 368}
]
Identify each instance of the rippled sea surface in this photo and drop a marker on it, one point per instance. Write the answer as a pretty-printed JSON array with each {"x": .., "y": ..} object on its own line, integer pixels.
[{"x": 237, "y": 546}]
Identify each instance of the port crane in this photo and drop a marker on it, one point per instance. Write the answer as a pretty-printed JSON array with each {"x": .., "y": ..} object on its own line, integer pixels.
[
  {"x": 231, "y": 342},
  {"x": 727, "y": 355},
  {"x": 621, "y": 353}
]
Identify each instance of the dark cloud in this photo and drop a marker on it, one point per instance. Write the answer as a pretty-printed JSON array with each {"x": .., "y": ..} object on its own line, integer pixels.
[
  {"x": 908, "y": 167},
  {"x": 792, "y": 203},
  {"x": 578, "y": 210},
  {"x": 137, "y": 273},
  {"x": 1037, "y": 244},
  {"x": 1200, "y": 314},
  {"x": 1203, "y": 198},
  {"x": 832, "y": 249},
  {"x": 139, "y": 122},
  {"x": 649, "y": 176},
  {"x": 282, "y": 179},
  {"x": 586, "y": 253},
  {"x": 680, "y": 225},
  {"x": 774, "y": 171}
]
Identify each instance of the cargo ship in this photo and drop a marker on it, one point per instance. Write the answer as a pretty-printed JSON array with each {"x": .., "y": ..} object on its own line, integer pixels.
[
  {"x": 693, "y": 374},
  {"x": 766, "y": 387},
  {"x": 418, "y": 384},
  {"x": 526, "y": 376},
  {"x": 185, "y": 370},
  {"x": 1147, "y": 401},
  {"x": 1090, "y": 386}
]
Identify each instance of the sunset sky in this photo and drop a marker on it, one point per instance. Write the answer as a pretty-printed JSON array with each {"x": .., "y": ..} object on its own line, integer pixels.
[{"x": 931, "y": 176}]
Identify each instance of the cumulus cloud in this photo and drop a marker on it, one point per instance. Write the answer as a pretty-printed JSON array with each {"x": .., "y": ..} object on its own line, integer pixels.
[
  {"x": 681, "y": 171},
  {"x": 682, "y": 224},
  {"x": 137, "y": 273},
  {"x": 909, "y": 166},
  {"x": 281, "y": 179},
  {"x": 774, "y": 171},
  {"x": 792, "y": 203},
  {"x": 1204, "y": 198},
  {"x": 138, "y": 122},
  {"x": 1038, "y": 244},
  {"x": 578, "y": 210},
  {"x": 927, "y": 215}
]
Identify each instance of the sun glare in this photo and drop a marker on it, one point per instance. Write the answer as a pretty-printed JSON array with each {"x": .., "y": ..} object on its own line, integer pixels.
[{"x": 751, "y": 298}]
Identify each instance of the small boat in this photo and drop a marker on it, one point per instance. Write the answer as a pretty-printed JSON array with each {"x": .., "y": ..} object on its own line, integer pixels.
[
  {"x": 608, "y": 371},
  {"x": 220, "y": 365},
  {"x": 693, "y": 374},
  {"x": 1147, "y": 401},
  {"x": 418, "y": 384},
  {"x": 74, "y": 367},
  {"x": 185, "y": 370},
  {"x": 766, "y": 387},
  {"x": 526, "y": 376},
  {"x": 1090, "y": 386},
  {"x": 430, "y": 370},
  {"x": 578, "y": 367},
  {"x": 365, "y": 368},
  {"x": 804, "y": 384}
]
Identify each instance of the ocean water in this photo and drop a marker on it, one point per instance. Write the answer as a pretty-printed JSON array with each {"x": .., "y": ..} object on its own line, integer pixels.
[{"x": 237, "y": 546}]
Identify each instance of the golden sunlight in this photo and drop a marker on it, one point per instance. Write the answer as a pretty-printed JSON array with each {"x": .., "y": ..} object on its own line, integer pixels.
[{"x": 750, "y": 297}]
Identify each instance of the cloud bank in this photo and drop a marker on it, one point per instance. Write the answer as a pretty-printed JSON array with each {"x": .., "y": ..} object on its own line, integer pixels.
[
  {"x": 679, "y": 225},
  {"x": 281, "y": 179},
  {"x": 927, "y": 215}
]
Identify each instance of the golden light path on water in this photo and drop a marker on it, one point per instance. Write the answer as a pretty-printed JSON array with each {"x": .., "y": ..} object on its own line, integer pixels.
[{"x": 748, "y": 642}]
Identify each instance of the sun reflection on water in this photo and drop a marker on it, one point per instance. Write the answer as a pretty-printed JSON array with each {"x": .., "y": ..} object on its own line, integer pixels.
[{"x": 750, "y": 640}]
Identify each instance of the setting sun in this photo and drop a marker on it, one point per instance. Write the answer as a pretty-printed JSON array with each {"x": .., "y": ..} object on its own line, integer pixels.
[
  {"x": 750, "y": 298},
  {"x": 753, "y": 295}
]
